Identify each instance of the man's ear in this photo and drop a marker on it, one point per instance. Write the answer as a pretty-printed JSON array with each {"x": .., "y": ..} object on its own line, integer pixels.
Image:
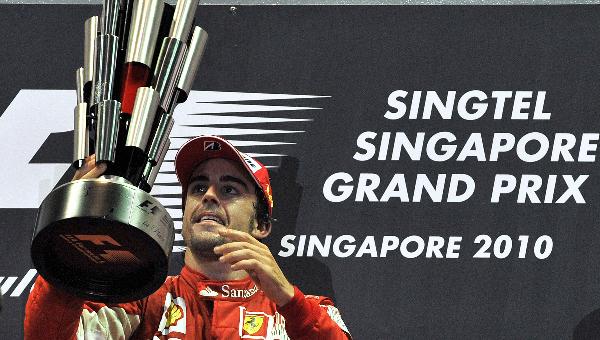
[{"x": 261, "y": 230}]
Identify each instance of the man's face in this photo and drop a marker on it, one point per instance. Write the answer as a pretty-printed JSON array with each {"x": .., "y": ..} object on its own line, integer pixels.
[{"x": 220, "y": 195}]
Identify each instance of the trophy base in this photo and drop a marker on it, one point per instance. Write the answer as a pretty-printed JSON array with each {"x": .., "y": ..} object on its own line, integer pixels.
[{"x": 103, "y": 240}]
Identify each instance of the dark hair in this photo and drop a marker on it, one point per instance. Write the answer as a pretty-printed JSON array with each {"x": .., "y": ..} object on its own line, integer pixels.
[{"x": 262, "y": 207}]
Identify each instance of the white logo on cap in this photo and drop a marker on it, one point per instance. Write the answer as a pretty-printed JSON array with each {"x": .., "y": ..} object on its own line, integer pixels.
[
  {"x": 212, "y": 146},
  {"x": 254, "y": 166}
]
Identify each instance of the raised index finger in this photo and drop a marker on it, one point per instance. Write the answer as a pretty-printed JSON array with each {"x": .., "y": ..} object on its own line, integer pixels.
[
  {"x": 234, "y": 246},
  {"x": 236, "y": 235}
]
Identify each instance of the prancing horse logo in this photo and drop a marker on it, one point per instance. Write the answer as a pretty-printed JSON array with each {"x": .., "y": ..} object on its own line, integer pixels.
[{"x": 253, "y": 323}]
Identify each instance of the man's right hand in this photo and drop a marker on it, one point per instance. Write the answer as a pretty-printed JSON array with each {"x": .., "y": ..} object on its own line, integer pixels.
[{"x": 90, "y": 169}]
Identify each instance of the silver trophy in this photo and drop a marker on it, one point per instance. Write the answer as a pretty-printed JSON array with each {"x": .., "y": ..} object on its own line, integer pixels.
[{"x": 108, "y": 239}]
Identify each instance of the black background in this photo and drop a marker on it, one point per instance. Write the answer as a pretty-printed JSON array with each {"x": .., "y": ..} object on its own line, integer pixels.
[{"x": 358, "y": 55}]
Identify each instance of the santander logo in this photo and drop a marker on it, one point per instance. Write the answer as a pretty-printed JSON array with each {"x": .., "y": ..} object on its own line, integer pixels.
[{"x": 238, "y": 293}]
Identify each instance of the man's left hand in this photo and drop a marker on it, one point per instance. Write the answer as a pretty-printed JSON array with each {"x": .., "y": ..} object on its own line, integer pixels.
[{"x": 247, "y": 253}]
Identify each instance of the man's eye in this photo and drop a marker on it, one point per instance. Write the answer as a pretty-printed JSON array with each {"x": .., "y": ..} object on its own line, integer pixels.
[
  {"x": 228, "y": 189},
  {"x": 199, "y": 188}
]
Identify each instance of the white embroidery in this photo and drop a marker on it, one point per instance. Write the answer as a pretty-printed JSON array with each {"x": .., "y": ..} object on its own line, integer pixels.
[
  {"x": 208, "y": 292},
  {"x": 254, "y": 166}
]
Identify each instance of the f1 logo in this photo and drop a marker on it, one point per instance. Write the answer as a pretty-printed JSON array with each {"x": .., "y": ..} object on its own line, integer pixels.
[
  {"x": 34, "y": 115},
  {"x": 100, "y": 249},
  {"x": 148, "y": 207}
]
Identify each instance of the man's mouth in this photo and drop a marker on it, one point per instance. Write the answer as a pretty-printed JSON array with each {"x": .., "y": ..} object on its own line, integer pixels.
[{"x": 210, "y": 217}]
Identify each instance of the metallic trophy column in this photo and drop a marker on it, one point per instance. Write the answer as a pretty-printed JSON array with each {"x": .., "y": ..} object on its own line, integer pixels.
[{"x": 107, "y": 239}]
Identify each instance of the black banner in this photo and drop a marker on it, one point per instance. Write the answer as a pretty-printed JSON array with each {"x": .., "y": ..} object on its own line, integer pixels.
[{"x": 434, "y": 169}]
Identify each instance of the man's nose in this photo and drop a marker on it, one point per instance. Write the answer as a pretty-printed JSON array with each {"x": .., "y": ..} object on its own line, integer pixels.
[{"x": 211, "y": 195}]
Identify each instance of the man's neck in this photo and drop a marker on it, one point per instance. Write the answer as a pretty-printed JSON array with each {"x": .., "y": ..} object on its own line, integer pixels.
[{"x": 212, "y": 267}]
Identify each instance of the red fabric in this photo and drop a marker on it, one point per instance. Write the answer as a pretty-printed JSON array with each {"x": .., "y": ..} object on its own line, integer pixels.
[
  {"x": 309, "y": 316},
  {"x": 51, "y": 313},
  {"x": 190, "y": 306}
]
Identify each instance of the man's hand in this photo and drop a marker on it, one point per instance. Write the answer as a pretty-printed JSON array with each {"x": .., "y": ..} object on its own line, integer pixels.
[
  {"x": 90, "y": 169},
  {"x": 247, "y": 253}
]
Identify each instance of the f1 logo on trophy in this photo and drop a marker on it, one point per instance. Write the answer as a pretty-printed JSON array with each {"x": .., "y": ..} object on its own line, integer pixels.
[{"x": 106, "y": 239}]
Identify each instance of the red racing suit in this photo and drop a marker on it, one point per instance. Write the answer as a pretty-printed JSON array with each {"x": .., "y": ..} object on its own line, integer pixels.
[{"x": 187, "y": 306}]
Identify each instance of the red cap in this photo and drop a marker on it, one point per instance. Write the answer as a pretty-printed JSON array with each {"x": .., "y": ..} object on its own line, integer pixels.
[{"x": 199, "y": 149}]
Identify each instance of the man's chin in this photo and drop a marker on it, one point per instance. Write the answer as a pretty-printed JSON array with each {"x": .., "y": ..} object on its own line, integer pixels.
[
  {"x": 202, "y": 246},
  {"x": 206, "y": 255}
]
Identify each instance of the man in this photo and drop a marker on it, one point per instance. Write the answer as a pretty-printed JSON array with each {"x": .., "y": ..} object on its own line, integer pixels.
[{"x": 230, "y": 287}]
